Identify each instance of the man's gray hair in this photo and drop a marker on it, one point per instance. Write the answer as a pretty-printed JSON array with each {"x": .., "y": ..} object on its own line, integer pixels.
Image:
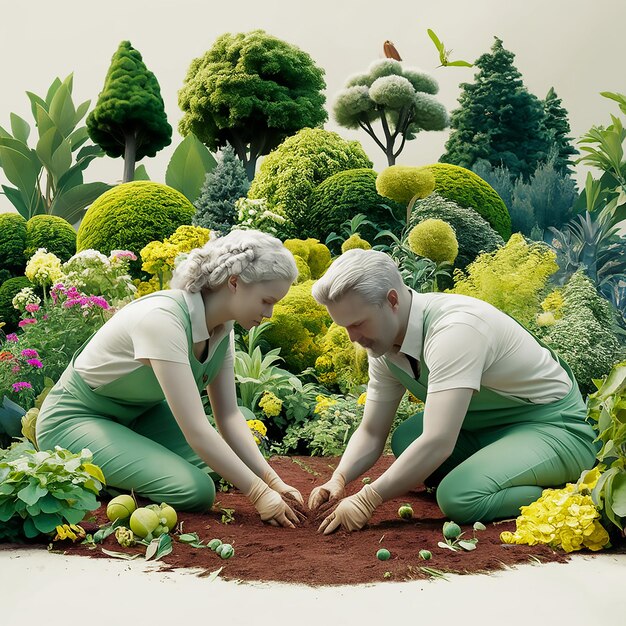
[
  {"x": 369, "y": 273},
  {"x": 252, "y": 255}
]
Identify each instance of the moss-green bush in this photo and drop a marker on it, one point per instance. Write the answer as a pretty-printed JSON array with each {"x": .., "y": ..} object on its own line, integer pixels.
[
  {"x": 355, "y": 241},
  {"x": 51, "y": 232},
  {"x": 12, "y": 245},
  {"x": 289, "y": 174},
  {"x": 130, "y": 216},
  {"x": 473, "y": 233},
  {"x": 345, "y": 194},
  {"x": 314, "y": 254},
  {"x": 8, "y": 290},
  {"x": 300, "y": 324},
  {"x": 402, "y": 183},
  {"x": 435, "y": 240},
  {"x": 469, "y": 190}
]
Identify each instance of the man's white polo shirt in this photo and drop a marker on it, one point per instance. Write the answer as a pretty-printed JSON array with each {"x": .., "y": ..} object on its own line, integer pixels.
[
  {"x": 148, "y": 328},
  {"x": 469, "y": 343}
]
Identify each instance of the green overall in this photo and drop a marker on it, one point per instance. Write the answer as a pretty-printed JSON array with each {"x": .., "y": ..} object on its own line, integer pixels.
[
  {"x": 131, "y": 431},
  {"x": 508, "y": 449}
]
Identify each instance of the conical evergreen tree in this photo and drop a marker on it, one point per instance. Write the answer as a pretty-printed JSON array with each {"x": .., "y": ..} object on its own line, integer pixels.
[
  {"x": 129, "y": 118},
  {"x": 499, "y": 120},
  {"x": 556, "y": 124},
  {"x": 223, "y": 186}
]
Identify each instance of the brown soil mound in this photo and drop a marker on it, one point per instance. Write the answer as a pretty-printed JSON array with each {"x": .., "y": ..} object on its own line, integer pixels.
[{"x": 302, "y": 555}]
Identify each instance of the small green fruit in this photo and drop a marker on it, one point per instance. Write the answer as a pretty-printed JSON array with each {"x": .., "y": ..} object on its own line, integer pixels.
[
  {"x": 161, "y": 529},
  {"x": 383, "y": 554},
  {"x": 366, "y": 480},
  {"x": 120, "y": 507},
  {"x": 405, "y": 511},
  {"x": 426, "y": 555},
  {"x": 124, "y": 537},
  {"x": 169, "y": 514},
  {"x": 225, "y": 551},
  {"x": 143, "y": 521},
  {"x": 451, "y": 530},
  {"x": 214, "y": 544}
]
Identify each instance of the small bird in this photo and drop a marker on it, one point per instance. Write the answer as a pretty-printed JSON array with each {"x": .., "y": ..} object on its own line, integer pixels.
[
  {"x": 444, "y": 54},
  {"x": 390, "y": 51}
]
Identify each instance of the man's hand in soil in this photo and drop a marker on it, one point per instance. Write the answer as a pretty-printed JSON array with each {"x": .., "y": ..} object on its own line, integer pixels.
[
  {"x": 352, "y": 513},
  {"x": 332, "y": 489},
  {"x": 274, "y": 482},
  {"x": 270, "y": 505}
]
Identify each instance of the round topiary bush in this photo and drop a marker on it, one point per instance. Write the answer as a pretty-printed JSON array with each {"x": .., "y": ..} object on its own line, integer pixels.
[
  {"x": 345, "y": 194},
  {"x": 8, "y": 291},
  {"x": 473, "y": 233},
  {"x": 12, "y": 245},
  {"x": 402, "y": 183},
  {"x": 130, "y": 216},
  {"x": 434, "y": 239},
  {"x": 51, "y": 232},
  {"x": 471, "y": 191}
]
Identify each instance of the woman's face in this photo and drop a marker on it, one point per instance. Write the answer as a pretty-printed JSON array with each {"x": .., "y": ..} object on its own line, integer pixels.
[{"x": 251, "y": 302}]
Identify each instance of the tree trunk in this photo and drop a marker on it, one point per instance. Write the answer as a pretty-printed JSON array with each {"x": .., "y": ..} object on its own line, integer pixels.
[
  {"x": 130, "y": 151},
  {"x": 250, "y": 166}
]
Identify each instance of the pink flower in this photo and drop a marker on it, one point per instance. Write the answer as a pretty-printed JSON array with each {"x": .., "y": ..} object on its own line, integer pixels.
[
  {"x": 12, "y": 337},
  {"x": 30, "y": 354},
  {"x": 15, "y": 369},
  {"x": 35, "y": 363},
  {"x": 123, "y": 254},
  {"x": 26, "y": 322},
  {"x": 20, "y": 386},
  {"x": 101, "y": 302},
  {"x": 31, "y": 308}
]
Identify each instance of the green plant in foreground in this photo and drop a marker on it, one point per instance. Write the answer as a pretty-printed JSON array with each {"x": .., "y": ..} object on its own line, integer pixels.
[
  {"x": 452, "y": 535},
  {"x": 42, "y": 490}
]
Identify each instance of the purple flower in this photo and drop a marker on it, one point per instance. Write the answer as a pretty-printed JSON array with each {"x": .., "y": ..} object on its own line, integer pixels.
[
  {"x": 26, "y": 322},
  {"x": 20, "y": 386},
  {"x": 12, "y": 337},
  {"x": 30, "y": 354},
  {"x": 35, "y": 363}
]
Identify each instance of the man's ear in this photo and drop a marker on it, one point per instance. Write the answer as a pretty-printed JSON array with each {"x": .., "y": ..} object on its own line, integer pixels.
[
  {"x": 392, "y": 298},
  {"x": 232, "y": 283}
]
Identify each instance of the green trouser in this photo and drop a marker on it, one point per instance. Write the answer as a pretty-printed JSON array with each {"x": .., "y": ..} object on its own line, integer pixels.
[
  {"x": 507, "y": 452},
  {"x": 131, "y": 431}
]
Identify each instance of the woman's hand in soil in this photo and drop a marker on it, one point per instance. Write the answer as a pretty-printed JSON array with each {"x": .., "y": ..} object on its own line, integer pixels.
[
  {"x": 270, "y": 505},
  {"x": 274, "y": 481},
  {"x": 352, "y": 513},
  {"x": 332, "y": 489}
]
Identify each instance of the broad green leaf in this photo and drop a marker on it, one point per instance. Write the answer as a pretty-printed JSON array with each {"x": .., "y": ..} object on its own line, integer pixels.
[
  {"x": 4, "y": 133},
  {"x": 71, "y": 203},
  {"x": 81, "y": 110},
  {"x": 435, "y": 39},
  {"x": 44, "y": 121},
  {"x": 618, "y": 503},
  {"x": 62, "y": 111},
  {"x": 47, "y": 144},
  {"x": 94, "y": 471},
  {"x": 19, "y": 169},
  {"x": 159, "y": 547},
  {"x": 50, "y": 504},
  {"x": 34, "y": 101},
  {"x": 47, "y": 522},
  {"x": 479, "y": 526},
  {"x": 15, "y": 197},
  {"x": 120, "y": 555},
  {"x": 189, "y": 538},
  {"x": 61, "y": 161},
  {"x": 78, "y": 137},
  {"x": 20, "y": 128},
  {"x": 31, "y": 493},
  {"x": 141, "y": 173},
  {"x": 188, "y": 167},
  {"x": 56, "y": 83},
  {"x": 459, "y": 64},
  {"x": 467, "y": 545},
  {"x": 30, "y": 530},
  {"x": 73, "y": 176}
]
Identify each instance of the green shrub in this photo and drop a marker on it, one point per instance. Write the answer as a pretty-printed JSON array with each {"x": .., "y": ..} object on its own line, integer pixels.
[
  {"x": 314, "y": 254},
  {"x": 471, "y": 191},
  {"x": 355, "y": 241},
  {"x": 435, "y": 240},
  {"x": 345, "y": 194},
  {"x": 402, "y": 183},
  {"x": 8, "y": 290},
  {"x": 473, "y": 233},
  {"x": 130, "y": 216},
  {"x": 53, "y": 233},
  {"x": 584, "y": 335},
  {"x": 290, "y": 173},
  {"x": 300, "y": 323},
  {"x": 12, "y": 244}
]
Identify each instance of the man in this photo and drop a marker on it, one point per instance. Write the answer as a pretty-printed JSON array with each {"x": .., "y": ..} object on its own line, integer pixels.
[{"x": 503, "y": 416}]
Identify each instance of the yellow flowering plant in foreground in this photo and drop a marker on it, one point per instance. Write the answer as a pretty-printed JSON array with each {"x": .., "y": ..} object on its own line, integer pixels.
[{"x": 562, "y": 518}]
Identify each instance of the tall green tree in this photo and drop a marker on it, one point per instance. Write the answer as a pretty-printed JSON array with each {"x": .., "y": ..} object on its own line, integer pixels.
[
  {"x": 401, "y": 99},
  {"x": 223, "y": 186},
  {"x": 251, "y": 90},
  {"x": 557, "y": 125},
  {"x": 129, "y": 118},
  {"x": 498, "y": 120}
]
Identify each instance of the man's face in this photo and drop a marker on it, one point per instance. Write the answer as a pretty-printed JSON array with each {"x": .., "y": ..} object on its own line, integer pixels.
[{"x": 373, "y": 327}]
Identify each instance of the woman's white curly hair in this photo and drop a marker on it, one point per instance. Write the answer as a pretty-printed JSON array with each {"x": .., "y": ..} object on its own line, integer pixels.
[{"x": 252, "y": 255}]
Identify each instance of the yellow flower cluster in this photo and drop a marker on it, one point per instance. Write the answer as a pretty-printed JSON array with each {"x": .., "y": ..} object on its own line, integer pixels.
[
  {"x": 270, "y": 404},
  {"x": 362, "y": 398},
  {"x": 554, "y": 302},
  {"x": 44, "y": 268},
  {"x": 325, "y": 370},
  {"x": 323, "y": 403},
  {"x": 186, "y": 238},
  {"x": 258, "y": 430},
  {"x": 146, "y": 287},
  {"x": 562, "y": 518}
]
